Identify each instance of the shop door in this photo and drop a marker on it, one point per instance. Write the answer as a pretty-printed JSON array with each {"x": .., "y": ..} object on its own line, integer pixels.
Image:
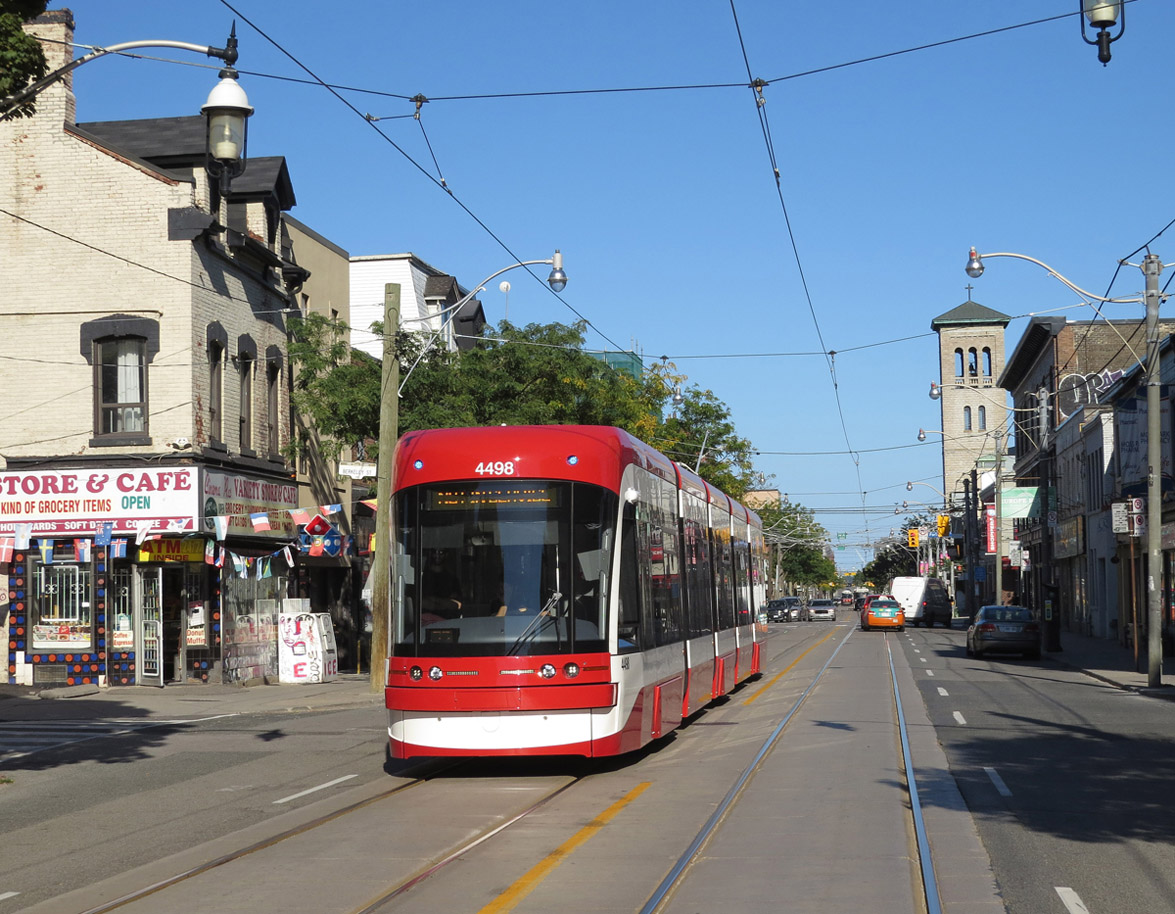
[{"x": 151, "y": 625}]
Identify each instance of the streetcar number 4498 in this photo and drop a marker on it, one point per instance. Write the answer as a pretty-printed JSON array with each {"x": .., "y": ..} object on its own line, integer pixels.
[{"x": 495, "y": 468}]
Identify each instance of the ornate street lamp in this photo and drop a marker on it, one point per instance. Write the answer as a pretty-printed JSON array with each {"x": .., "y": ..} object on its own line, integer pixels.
[
  {"x": 227, "y": 113},
  {"x": 1102, "y": 15},
  {"x": 1152, "y": 266}
]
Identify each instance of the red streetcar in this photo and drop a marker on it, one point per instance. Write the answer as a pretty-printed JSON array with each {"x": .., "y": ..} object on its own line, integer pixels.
[{"x": 560, "y": 590}]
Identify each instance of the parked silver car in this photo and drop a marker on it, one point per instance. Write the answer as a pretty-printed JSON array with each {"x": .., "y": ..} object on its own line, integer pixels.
[{"x": 1006, "y": 629}]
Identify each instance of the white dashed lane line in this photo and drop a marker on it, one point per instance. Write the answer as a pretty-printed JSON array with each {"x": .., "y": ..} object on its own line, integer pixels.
[
  {"x": 1071, "y": 900},
  {"x": 1000, "y": 786}
]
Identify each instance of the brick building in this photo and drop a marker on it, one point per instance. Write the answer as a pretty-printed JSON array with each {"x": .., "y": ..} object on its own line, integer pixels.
[{"x": 146, "y": 506}]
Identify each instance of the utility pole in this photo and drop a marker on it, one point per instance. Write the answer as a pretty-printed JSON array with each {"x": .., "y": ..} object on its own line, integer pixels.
[
  {"x": 1152, "y": 266},
  {"x": 389, "y": 421}
]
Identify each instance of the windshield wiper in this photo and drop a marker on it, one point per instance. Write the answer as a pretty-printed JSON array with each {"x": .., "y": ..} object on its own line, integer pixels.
[{"x": 535, "y": 625}]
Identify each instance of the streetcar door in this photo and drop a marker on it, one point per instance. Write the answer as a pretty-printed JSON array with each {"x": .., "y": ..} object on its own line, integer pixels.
[{"x": 151, "y": 625}]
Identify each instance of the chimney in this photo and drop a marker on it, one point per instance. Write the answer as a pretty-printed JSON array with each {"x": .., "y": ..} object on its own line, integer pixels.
[{"x": 54, "y": 29}]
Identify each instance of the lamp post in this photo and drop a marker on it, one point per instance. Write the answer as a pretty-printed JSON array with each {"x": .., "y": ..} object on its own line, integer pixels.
[
  {"x": 557, "y": 280},
  {"x": 389, "y": 422},
  {"x": 226, "y": 110},
  {"x": 1152, "y": 266}
]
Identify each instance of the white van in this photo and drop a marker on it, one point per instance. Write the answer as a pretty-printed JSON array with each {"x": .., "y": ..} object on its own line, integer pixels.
[{"x": 925, "y": 600}]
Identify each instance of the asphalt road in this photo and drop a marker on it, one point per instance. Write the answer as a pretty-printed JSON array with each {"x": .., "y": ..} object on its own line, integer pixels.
[
  {"x": 1068, "y": 779},
  {"x": 1065, "y": 778}
]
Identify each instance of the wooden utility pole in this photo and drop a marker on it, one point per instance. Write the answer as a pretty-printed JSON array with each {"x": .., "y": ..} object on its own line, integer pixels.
[{"x": 389, "y": 421}]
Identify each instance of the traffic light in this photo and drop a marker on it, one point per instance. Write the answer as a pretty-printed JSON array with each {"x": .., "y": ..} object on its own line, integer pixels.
[
  {"x": 912, "y": 538},
  {"x": 944, "y": 524}
]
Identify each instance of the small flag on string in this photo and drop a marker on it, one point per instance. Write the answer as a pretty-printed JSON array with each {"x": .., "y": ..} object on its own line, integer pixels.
[
  {"x": 46, "y": 550},
  {"x": 330, "y": 509},
  {"x": 102, "y": 537},
  {"x": 6, "y": 549},
  {"x": 176, "y": 525},
  {"x": 288, "y": 556},
  {"x": 300, "y": 516},
  {"x": 316, "y": 546},
  {"x": 23, "y": 533},
  {"x": 118, "y": 548},
  {"x": 81, "y": 550},
  {"x": 220, "y": 556},
  {"x": 260, "y": 521},
  {"x": 143, "y": 528},
  {"x": 264, "y": 568},
  {"x": 209, "y": 552},
  {"x": 220, "y": 524}
]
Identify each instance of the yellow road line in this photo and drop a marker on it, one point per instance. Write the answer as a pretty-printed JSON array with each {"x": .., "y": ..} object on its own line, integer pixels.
[
  {"x": 509, "y": 899},
  {"x": 774, "y": 679}
]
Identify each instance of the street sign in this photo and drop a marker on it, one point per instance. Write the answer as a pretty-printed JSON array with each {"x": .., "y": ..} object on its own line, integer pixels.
[{"x": 357, "y": 470}]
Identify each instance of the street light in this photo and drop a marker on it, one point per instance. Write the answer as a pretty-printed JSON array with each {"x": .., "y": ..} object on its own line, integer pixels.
[
  {"x": 1151, "y": 266},
  {"x": 1102, "y": 14},
  {"x": 389, "y": 421},
  {"x": 226, "y": 110},
  {"x": 557, "y": 280}
]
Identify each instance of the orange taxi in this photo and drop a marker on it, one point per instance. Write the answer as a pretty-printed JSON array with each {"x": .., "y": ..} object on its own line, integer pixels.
[{"x": 882, "y": 611}]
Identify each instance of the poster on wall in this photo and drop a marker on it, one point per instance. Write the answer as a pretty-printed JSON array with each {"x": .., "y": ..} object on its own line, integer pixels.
[{"x": 240, "y": 497}]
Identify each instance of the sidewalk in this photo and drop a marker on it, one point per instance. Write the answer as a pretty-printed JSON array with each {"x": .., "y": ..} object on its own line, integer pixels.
[
  {"x": 348, "y": 690},
  {"x": 1107, "y": 660}
]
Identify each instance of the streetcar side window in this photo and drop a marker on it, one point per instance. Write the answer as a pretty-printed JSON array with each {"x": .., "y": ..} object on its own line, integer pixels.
[{"x": 629, "y": 590}]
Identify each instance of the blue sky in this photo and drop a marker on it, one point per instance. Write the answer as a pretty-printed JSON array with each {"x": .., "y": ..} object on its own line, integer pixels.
[{"x": 664, "y": 204}]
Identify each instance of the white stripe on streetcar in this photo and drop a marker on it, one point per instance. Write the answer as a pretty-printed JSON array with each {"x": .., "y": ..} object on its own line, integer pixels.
[
  {"x": 943, "y": 692},
  {"x": 959, "y": 717},
  {"x": 1071, "y": 900},
  {"x": 1000, "y": 786},
  {"x": 295, "y": 796}
]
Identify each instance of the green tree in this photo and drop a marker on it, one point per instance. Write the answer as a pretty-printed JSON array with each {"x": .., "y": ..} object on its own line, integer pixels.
[
  {"x": 533, "y": 375},
  {"x": 335, "y": 394},
  {"x": 795, "y": 543},
  {"x": 701, "y": 433},
  {"x": 22, "y": 61}
]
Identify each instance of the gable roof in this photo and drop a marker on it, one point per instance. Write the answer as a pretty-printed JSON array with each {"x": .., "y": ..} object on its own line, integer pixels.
[
  {"x": 969, "y": 313},
  {"x": 179, "y": 143}
]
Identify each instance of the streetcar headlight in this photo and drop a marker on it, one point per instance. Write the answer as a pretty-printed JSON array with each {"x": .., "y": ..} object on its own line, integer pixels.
[
  {"x": 571, "y": 670},
  {"x": 572, "y": 460},
  {"x": 418, "y": 464},
  {"x": 415, "y": 674},
  {"x": 547, "y": 671},
  {"x": 435, "y": 674}
]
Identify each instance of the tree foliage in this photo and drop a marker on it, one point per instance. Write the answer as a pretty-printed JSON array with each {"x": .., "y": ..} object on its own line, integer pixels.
[
  {"x": 22, "y": 60},
  {"x": 533, "y": 375},
  {"x": 796, "y": 542},
  {"x": 894, "y": 558}
]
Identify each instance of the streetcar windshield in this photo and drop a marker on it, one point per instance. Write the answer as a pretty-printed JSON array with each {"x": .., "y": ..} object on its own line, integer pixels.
[{"x": 502, "y": 567}]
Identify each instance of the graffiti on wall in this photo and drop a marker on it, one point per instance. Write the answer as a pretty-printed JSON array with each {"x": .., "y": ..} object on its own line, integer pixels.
[{"x": 1077, "y": 390}]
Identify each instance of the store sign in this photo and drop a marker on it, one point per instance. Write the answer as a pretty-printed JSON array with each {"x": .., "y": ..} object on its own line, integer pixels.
[
  {"x": 237, "y": 497},
  {"x": 78, "y": 502},
  {"x": 989, "y": 516},
  {"x": 172, "y": 550},
  {"x": 1020, "y": 502}
]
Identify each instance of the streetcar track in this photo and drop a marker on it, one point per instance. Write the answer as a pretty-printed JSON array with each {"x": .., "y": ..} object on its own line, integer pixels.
[
  {"x": 261, "y": 845},
  {"x": 664, "y": 891},
  {"x": 673, "y": 878}
]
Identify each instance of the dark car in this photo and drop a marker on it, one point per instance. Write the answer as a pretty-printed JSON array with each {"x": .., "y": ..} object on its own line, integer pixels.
[
  {"x": 1004, "y": 629},
  {"x": 777, "y": 611}
]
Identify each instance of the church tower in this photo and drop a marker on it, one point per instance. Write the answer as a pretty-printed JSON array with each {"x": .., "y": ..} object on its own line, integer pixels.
[{"x": 974, "y": 408}]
